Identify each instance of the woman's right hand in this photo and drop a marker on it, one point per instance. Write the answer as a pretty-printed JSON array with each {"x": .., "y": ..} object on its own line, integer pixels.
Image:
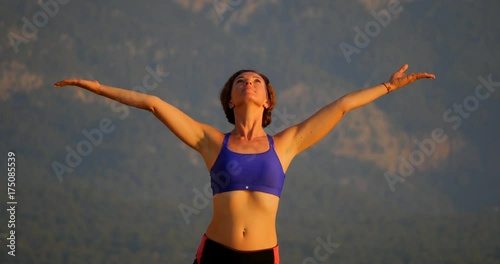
[{"x": 86, "y": 84}]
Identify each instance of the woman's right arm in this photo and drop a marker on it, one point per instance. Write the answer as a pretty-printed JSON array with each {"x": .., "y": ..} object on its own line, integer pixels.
[{"x": 194, "y": 134}]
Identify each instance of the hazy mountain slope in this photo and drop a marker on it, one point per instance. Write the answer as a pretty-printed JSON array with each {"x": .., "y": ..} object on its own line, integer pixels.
[{"x": 120, "y": 203}]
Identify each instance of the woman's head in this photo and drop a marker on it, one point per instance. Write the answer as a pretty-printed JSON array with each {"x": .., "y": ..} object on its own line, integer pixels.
[{"x": 236, "y": 79}]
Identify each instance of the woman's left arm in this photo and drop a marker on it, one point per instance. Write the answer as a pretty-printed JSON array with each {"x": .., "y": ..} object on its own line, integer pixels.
[{"x": 302, "y": 136}]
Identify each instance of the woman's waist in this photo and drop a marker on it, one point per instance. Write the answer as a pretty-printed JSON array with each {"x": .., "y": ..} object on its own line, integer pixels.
[{"x": 237, "y": 234}]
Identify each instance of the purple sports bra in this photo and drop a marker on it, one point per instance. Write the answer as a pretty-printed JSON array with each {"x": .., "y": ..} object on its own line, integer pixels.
[{"x": 253, "y": 172}]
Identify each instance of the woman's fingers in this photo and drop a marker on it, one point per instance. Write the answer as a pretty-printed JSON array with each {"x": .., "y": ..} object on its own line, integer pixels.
[
  {"x": 421, "y": 75},
  {"x": 429, "y": 75},
  {"x": 64, "y": 83},
  {"x": 400, "y": 79},
  {"x": 78, "y": 82},
  {"x": 403, "y": 68}
]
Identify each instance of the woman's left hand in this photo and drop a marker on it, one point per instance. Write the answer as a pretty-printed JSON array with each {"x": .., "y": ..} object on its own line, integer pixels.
[{"x": 400, "y": 78}]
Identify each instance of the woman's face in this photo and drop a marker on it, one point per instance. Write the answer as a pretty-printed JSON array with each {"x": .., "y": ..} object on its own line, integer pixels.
[{"x": 249, "y": 87}]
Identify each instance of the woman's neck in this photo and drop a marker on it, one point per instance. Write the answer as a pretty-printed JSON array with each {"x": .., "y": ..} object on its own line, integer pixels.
[{"x": 248, "y": 123}]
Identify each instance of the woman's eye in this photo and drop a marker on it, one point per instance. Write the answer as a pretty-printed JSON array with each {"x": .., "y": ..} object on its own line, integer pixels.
[
  {"x": 238, "y": 81},
  {"x": 257, "y": 80}
]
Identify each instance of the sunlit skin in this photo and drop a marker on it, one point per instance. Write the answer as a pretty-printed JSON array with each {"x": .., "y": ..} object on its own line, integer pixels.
[{"x": 246, "y": 220}]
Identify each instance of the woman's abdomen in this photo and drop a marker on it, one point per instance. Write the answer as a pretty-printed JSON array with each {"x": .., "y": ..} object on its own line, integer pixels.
[{"x": 244, "y": 220}]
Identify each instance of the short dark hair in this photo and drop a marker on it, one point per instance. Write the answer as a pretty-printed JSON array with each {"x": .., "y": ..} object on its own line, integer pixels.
[{"x": 225, "y": 97}]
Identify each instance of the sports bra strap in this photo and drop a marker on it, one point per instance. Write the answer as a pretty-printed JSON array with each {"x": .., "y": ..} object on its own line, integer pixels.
[
  {"x": 226, "y": 138},
  {"x": 271, "y": 142}
]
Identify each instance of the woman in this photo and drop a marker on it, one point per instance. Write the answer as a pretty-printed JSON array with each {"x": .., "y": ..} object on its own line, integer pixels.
[{"x": 247, "y": 166}]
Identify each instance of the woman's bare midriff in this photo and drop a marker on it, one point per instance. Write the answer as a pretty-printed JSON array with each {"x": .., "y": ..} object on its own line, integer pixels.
[{"x": 244, "y": 220}]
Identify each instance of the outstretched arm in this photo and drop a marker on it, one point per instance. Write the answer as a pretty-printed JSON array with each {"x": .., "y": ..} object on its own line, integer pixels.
[
  {"x": 191, "y": 132},
  {"x": 304, "y": 135}
]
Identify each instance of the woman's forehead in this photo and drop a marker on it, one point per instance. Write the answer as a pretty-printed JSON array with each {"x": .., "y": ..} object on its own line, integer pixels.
[{"x": 249, "y": 75}]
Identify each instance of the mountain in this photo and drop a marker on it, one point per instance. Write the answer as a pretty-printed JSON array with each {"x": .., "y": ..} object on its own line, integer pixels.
[{"x": 410, "y": 178}]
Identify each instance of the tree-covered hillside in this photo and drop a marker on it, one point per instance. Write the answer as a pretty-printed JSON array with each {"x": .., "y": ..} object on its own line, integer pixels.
[{"x": 119, "y": 201}]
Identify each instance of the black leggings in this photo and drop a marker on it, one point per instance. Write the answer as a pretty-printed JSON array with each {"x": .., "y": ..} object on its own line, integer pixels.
[{"x": 211, "y": 252}]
